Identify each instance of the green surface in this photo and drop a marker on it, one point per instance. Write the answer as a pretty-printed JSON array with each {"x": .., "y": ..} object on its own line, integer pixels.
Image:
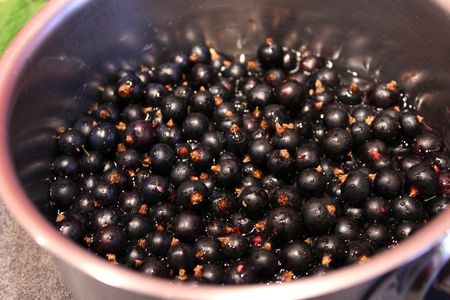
[{"x": 13, "y": 15}]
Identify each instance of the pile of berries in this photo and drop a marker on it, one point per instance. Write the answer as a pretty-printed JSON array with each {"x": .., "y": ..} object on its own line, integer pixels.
[{"x": 214, "y": 170}]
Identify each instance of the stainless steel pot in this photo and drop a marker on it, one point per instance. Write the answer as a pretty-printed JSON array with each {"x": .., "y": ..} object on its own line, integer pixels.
[{"x": 43, "y": 86}]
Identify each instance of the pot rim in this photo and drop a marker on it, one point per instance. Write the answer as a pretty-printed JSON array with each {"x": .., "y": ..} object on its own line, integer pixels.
[{"x": 12, "y": 64}]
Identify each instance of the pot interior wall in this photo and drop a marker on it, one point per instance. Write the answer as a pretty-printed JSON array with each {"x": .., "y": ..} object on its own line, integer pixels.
[{"x": 385, "y": 39}]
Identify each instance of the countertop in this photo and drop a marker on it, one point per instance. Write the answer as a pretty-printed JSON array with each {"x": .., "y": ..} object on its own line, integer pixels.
[{"x": 27, "y": 271}]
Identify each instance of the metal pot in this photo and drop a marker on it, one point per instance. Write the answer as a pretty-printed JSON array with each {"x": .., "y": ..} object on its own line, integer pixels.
[{"x": 43, "y": 86}]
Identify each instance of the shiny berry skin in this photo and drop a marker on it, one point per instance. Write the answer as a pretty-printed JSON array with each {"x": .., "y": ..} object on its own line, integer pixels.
[
  {"x": 411, "y": 124},
  {"x": 240, "y": 273},
  {"x": 422, "y": 180},
  {"x": 105, "y": 216},
  {"x": 117, "y": 178},
  {"x": 214, "y": 141},
  {"x": 66, "y": 166},
  {"x": 183, "y": 92},
  {"x": 271, "y": 182},
  {"x": 291, "y": 95},
  {"x": 360, "y": 132},
  {"x": 388, "y": 183},
  {"x": 254, "y": 200},
  {"x": 319, "y": 214},
  {"x": 187, "y": 226},
  {"x": 173, "y": 108},
  {"x": 103, "y": 138},
  {"x": 437, "y": 205},
  {"x": 227, "y": 172},
  {"x": 139, "y": 135},
  {"x": 162, "y": 158},
  {"x": 182, "y": 60},
  {"x": 259, "y": 150},
  {"x": 372, "y": 150},
  {"x": 297, "y": 257},
  {"x": 241, "y": 223},
  {"x": 337, "y": 142},
  {"x": 72, "y": 228},
  {"x": 201, "y": 75},
  {"x": 180, "y": 173},
  {"x": 169, "y": 134},
  {"x": 346, "y": 228},
  {"x": 385, "y": 95},
  {"x": 270, "y": 55},
  {"x": 107, "y": 112},
  {"x": 359, "y": 251},
  {"x": 71, "y": 142},
  {"x": 376, "y": 209},
  {"x": 356, "y": 187},
  {"x": 350, "y": 94},
  {"x": 136, "y": 226},
  {"x": 377, "y": 234},
  {"x": 84, "y": 126},
  {"x": 215, "y": 228},
  {"x": 274, "y": 77},
  {"x": 409, "y": 161},
  {"x": 234, "y": 246},
  {"x": 327, "y": 77},
  {"x": 275, "y": 114},
  {"x": 426, "y": 143},
  {"x": 261, "y": 96},
  {"x": 88, "y": 182},
  {"x": 406, "y": 208},
  {"x": 207, "y": 250},
  {"x": 130, "y": 202},
  {"x": 440, "y": 161},
  {"x": 385, "y": 128},
  {"x": 286, "y": 196},
  {"x": 311, "y": 183},
  {"x": 129, "y": 159},
  {"x": 405, "y": 229},
  {"x": 154, "y": 94},
  {"x": 109, "y": 240},
  {"x": 191, "y": 194},
  {"x": 195, "y": 125},
  {"x": 162, "y": 213},
  {"x": 336, "y": 118},
  {"x": 235, "y": 71},
  {"x": 307, "y": 155},
  {"x": 155, "y": 267},
  {"x": 311, "y": 63},
  {"x": 63, "y": 192},
  {"x": 84, "y": 204},
  {"x": 181, "y": 256},
  {"x": 286, "y": 138},
  {"x": 265, "y": 262},
  {"x": 209, "y": 274},
  {"x": 168, "y": 73},
  {"x": 329, "y": 250},
  {"x": 201, "y": 158},
  {"x": 283, "y": 224},
  {"x": 134, "y": 257},
  {"x": 154, "y": 189},
  {"x": 203, "y": 102},
  {"x": 362, "y": 112},
  {"x": 290, "y": 61},
  {"x": 280, "y": 162},
  {"x": 236, "y": 140},
  {"x": 130, "y": 88},
  {"x": 199, "y": 54},
  {"x": 158, "y": 243}
]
